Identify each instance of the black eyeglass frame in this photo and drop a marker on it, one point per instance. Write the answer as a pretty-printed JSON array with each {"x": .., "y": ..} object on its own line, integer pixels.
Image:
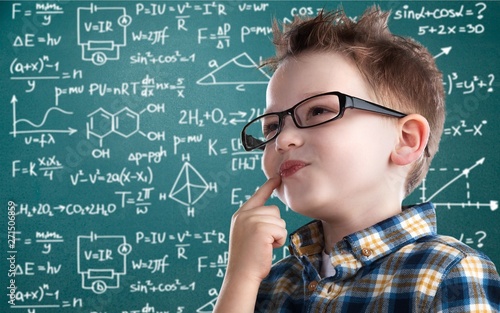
[{"x": 346, "y": 102}]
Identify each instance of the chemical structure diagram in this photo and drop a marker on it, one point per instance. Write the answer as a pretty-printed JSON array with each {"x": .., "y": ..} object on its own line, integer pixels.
[
  {"x": 125, "y": 122},
  {"x": 189, "y": 186}
]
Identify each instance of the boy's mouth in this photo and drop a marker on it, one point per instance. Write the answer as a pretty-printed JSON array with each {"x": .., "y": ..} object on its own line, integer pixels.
[{"x": 290, "y": 167}]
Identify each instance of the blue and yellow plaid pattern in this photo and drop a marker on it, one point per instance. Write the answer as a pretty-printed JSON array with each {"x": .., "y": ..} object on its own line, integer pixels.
[{"x": 398, "y": 265}]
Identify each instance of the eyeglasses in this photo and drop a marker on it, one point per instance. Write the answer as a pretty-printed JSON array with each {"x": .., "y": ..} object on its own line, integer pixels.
[{"x": 313, "y": 111}]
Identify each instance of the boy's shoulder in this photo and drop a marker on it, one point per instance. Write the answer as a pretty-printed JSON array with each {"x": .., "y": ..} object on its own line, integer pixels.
[
  {"x": 440, "y": 251},
  {"x": 449, "y": 245},
  {"x": 448, "y": 255}
]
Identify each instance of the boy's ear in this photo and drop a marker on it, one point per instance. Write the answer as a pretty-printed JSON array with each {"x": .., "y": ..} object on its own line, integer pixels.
[{"x": 413, "y": 135}]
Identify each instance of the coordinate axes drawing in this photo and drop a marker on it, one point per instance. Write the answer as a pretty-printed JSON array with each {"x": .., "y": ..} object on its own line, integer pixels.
[
  {"x": 463, "y": 175},
  {"x": 36, "y": 128}
]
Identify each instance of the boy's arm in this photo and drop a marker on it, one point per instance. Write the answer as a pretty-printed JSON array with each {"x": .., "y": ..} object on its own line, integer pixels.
[{"x": 255, "y": 230}]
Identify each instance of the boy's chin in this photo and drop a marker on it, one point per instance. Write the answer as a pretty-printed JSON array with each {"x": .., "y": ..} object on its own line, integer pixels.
[{"x": 295, "y": 205}]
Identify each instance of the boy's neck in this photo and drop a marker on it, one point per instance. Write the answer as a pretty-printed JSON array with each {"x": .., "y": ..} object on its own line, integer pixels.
[{"x": 357, "y": 219}]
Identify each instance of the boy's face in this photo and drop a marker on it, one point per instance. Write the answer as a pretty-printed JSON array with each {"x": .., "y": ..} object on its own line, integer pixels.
[{"x": 330, "y": 170}]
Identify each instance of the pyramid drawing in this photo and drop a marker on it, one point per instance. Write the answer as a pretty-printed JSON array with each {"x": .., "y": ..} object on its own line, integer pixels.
[
  {"x": 189, "y": 186},
  {"x": 240, "y": 70}
]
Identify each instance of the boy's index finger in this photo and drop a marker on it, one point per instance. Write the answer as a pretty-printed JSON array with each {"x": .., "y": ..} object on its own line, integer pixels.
[{"x": 260, "y": 197}]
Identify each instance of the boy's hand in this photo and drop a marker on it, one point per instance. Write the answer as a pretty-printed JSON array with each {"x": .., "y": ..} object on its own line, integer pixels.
[{"x": 255, "y": 230}]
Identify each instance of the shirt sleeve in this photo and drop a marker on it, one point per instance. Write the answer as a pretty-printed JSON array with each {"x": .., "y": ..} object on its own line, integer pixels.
[{"x": 472, "y": 285}]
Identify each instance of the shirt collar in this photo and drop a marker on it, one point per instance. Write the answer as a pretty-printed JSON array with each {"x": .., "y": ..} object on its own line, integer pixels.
[{"x": 366, "y": 246}]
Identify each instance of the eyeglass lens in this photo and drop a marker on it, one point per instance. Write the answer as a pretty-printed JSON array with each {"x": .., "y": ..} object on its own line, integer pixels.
[{"x": 311, "y": 112}]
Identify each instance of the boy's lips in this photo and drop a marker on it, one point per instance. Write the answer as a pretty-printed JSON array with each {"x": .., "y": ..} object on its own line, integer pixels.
[{"x": 290, "y": 167}]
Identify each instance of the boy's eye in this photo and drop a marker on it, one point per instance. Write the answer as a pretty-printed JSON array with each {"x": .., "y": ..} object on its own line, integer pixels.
[
  {"x": 318, "y": 111},
  {"x": 318, "y": 114},
  {"x": 269, "y": 129}
]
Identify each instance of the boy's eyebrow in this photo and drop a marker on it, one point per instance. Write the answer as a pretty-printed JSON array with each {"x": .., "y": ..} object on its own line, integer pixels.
[{"x": 314, "y": 93}]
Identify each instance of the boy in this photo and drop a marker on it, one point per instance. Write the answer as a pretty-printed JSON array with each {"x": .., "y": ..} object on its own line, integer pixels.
[{"x": 338, "y": 149}]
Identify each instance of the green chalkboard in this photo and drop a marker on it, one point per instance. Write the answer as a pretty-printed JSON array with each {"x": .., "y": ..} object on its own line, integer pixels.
[{"x": 121, "y": 162}]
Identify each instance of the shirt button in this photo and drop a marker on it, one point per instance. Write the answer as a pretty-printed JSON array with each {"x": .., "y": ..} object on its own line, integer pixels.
[
  {"x": 312, "y": 285},
  {"x": 366, "y": 252}
]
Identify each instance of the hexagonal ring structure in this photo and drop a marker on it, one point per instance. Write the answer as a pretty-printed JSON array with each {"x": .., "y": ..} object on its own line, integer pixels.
[
  {"x": 101, "y": 123},
  {"x": 126, "y": 122}
]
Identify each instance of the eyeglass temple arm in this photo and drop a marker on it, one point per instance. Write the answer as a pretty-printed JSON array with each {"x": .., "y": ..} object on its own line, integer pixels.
[{"x": 360, "y": 104}]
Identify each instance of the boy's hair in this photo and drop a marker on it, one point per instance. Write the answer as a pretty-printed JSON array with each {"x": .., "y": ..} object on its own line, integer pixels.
[{"x": 401, "y": 72}]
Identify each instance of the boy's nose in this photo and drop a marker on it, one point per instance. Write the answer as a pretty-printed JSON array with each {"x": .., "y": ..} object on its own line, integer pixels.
[{"x": 290, "y": 136}]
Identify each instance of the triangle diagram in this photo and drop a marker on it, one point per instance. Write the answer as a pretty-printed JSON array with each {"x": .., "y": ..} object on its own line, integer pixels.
[{"x": 239, "y": 70}]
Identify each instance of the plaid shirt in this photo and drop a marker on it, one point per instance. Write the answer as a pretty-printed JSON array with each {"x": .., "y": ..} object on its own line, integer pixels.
[{"x": 398, "y": 265}]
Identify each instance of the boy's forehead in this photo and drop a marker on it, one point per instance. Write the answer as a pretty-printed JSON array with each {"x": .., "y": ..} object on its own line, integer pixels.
[{"x": 312, "y": 73}]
